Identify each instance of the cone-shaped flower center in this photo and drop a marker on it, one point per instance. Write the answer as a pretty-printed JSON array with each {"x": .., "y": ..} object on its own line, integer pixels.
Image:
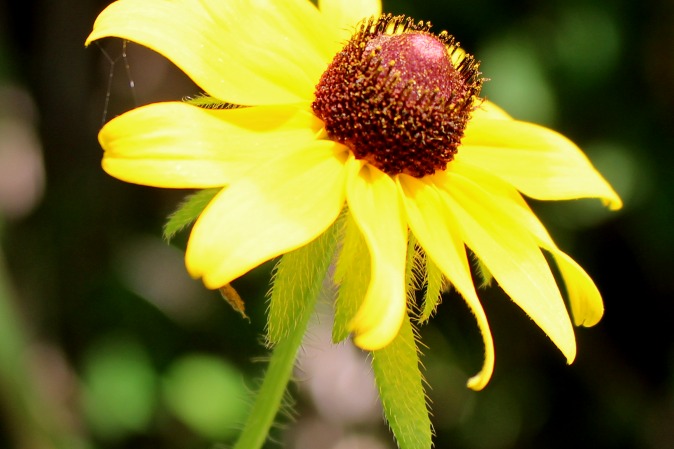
[{"x": 398, "y": 96}]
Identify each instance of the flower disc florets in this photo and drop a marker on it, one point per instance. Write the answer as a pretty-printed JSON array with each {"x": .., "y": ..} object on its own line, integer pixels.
[{"x": 399, "y": 96}]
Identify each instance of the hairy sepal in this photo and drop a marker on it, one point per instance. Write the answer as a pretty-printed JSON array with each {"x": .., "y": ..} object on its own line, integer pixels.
[
  {"x": 400, "y": 384},
  {"x": 187, "y": 212}
]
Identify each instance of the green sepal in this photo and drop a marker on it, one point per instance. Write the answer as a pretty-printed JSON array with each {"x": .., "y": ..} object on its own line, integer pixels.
[
  {"x": 482, "y": 271},
  {"x": 187, "y": 212},
  {"x": 435, "y": 284},
  {"x": 400, "y": 384},
  {"x": 352, "y": 277},
  {"x": 208, "y": 102},
  {"x": 297, "y": 281},
  {"x": 414, "y": 270}
]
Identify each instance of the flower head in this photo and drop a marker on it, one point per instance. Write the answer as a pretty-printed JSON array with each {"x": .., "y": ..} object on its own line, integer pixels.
[
  {"x": 345, "y": 107},
  {"x": 398, "y": 96}
]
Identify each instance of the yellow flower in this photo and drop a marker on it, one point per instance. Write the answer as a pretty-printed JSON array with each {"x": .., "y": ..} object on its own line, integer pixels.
[{"x": 338, "y": 115}]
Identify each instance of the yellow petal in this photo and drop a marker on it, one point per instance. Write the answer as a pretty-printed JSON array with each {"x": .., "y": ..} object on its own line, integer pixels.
[
  {"x": 280, "y": 206},
  {"x": 240, "y": 51},
  {"x": 183, "y": 146},
  {"x": 373, "y": 201},
  {"x": 539, "y": 162},
  {"x": 345, "y": 14},
  {"x": 585, "y": 300},
  {"x": 435, "y": 228},
  {"x": 512, "y": 256},
  {"x": 488, "y": 110}
]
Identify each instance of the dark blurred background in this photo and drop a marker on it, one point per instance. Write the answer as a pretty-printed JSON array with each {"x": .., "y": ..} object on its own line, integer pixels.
[{"x": 106, "y": 343}]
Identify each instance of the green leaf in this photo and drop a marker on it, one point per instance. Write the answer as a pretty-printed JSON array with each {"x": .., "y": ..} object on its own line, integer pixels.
[
  {"x": 352, "y": 276},
  {"x": 297, "y": 280},
  {"x": 187, "y": 212},
  {"x": 400, "y": 384}
]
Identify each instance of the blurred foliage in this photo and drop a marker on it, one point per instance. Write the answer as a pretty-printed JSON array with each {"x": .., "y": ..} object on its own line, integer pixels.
[
  {"x": 208, "y": 395},
  {"x": 107, "y": 343},
  {"x": 119, "y": 387}
]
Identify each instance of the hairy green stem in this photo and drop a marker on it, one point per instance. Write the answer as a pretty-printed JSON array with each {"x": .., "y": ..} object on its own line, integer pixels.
[{"x": 298, "y": 281}]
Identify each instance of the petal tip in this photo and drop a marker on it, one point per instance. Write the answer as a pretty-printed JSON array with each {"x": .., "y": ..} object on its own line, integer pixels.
[
  {"x": 570, "y": 354},
  {"x": 479, "y": 381},
  {"x": 211, "y": 279},
  {"x": 613, "y": 203},
  {"x": 372, "y": 333},
  {"x": 93, "y": 36},
  {"x": 376, "y": 338},
  {"x": 589, "y": 319}
]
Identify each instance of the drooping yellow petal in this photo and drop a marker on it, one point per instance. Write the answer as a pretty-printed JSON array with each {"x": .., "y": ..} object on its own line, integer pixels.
[
  {"x": 434, "y": 226},
  {"x": 512, "y": 256},
  {"x": 239, "y": 51},
  {"x": 539, "y": 162},
  {"x": 183, "y": 146},
  {"x": 345, "y": 14},
  {"x": 585, "y": 300},
  {"x": 373, "y": 201},
  {"x": 284, "y": 204}
]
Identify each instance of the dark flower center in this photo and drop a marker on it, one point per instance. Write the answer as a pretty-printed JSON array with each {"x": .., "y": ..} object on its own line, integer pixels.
[{"x": 398, "y": 96}]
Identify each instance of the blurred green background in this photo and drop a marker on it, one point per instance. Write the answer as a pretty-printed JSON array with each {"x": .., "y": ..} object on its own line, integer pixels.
[{"x": 106, "y": 343}]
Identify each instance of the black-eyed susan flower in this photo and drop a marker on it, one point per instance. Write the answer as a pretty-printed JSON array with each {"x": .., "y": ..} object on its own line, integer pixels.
[{"x": 344, "y": 109}]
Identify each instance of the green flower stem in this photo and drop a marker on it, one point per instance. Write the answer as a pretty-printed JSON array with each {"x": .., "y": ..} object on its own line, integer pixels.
[
  {"x": 298, "y": 282},
  {"x": 274, "y": 385}
]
